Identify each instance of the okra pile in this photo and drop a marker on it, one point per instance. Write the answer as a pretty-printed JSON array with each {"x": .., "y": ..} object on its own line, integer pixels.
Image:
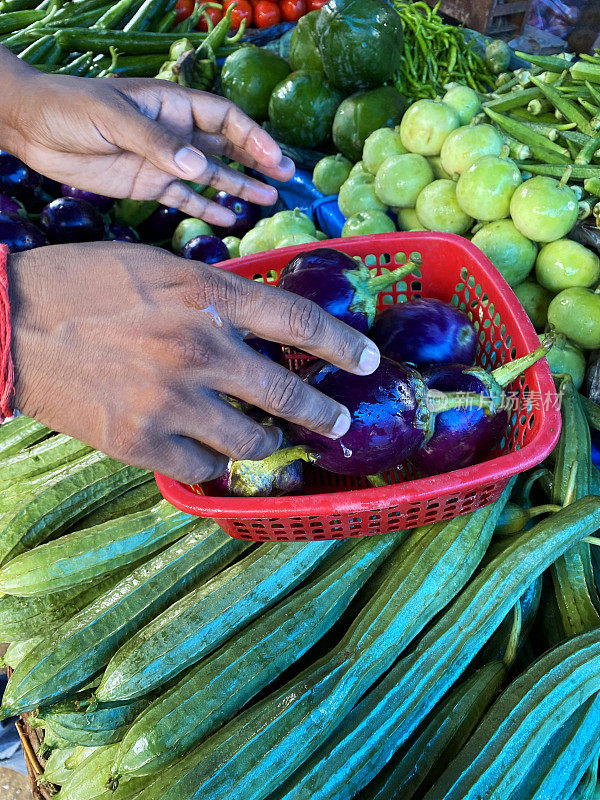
[{"x": 162, "y": 659}]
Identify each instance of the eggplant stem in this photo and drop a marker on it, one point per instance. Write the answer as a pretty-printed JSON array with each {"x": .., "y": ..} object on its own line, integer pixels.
[
  {"x": 377, "y": 480},
  {"x": 287, "y": 455},
  {"x": 438, "y": 402},
  {"x": 508, "y": 372},
  {"x": 379, "y": 283}
]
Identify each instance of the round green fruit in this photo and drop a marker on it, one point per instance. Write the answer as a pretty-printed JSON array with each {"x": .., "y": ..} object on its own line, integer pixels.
[
  {"x": 295, "y": 238},
  {"x": 232, "y": 243},
  {"x": 400, "y": 179},
  {"x": 255, "y": 241},
  {"x": 464, "y": 101},
  {"x": 330, "y": 173},
  {"x": 543, "y": 209},
  {"x": 425, "y": 126},
  {"x": 438, "y": 210},
  {"x": 288, "y": 223},
  {"x": 576, "y": 313},
  {"x": 465, "y": 145},
  {"x": 565, "y": 263},
  {"x": 566, "y": 357},
  {"x": 510, "y": 252},
  {"x": 408, "y": 220},
  {"x": 248, "y": 78},
  {"x": 359, "y": 115},
  {"x": 188, "y": 229},
  {"x": 367, "y": 222},
  {"x": 302, "y": 108},
  {"x": 380, "y": 145},
  {"x": 359, "y": 195},
  {"x": 435, "y": 162},
  {"x": 304, "y": 53},
  {"x": 535, "y": 300},
  {"x": 484, "y": 190}
]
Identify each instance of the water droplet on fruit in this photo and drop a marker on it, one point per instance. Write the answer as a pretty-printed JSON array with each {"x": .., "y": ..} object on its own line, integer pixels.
[{"x": 346, "y": 451}]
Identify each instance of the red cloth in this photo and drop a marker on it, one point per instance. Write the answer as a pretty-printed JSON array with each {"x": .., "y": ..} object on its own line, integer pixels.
[{"x": 7, "y": 373}]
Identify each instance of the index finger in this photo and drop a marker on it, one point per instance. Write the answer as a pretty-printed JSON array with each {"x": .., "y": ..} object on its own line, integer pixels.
[
  {"x": 287, "y": 318},
  {"x": 216, "y": 115}
]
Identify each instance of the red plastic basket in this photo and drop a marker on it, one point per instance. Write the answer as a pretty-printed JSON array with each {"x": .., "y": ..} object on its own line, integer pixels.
[{"x": 338, "y": 507}]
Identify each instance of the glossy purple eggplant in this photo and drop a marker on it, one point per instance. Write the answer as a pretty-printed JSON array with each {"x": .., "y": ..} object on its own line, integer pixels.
[
  {"x": 122, "y": 233},
  {"x": 160, "y": 225},
  {"x": 51, "y": 186},
  {"x": 8, "y": 205},
  {"x": 205, "y": 248},
  {"x": 99, "y": 201},
  {"x": 246, "y": 214},
  {"x": 279, "y": 474},
  {"x": 391, "y": 417},
  {"x": 69, "y": 219},
  {"x": 466, "y": 436},
  {"x": 20, "y": 234},
  {"x": 348, "y": 294},
  {"x": 266, "y": 348},
  {"x": 320, "y": 258},
  {"x": 423, "y": 332},
  {"x": 16, "y": 178}
]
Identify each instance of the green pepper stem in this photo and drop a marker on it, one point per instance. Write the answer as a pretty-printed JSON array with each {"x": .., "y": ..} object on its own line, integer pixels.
[
  {"x": 512, "y": 369},
  {"x": 379, "y": 283},
  {"x": 515, "y": 634}
]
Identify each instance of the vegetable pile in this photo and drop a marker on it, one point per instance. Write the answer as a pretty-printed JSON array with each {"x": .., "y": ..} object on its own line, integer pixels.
[{"x": 149, "y": 647}]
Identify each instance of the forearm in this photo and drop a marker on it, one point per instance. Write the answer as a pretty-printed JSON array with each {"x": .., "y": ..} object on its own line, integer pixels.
[{"x": 16, "y": 80}]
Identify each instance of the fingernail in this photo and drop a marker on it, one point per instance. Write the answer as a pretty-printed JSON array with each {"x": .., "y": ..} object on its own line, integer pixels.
[
  {"x": 286, "y": 164},
  {"x": 341, "y": 425},
  {"x": 190, "y": 160},
  {"x": 369, "y": 359},
  {"x": 268, "y": 194},
  {"x": 279, "y": 433}
]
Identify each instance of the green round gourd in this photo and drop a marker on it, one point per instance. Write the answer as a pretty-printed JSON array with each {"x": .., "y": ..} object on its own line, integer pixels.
[
  {"x": 510, "y": 252},
  {"x": 248, "y": 78},
  {"x": 330, "y": 173},
  {"x": 304, "y": 53},
  {"x": 359, "y": 115},
  {"x": 368, "y": 222},
  {"x": 535, "y": 300},
  {"x": 302, "y": 108}
]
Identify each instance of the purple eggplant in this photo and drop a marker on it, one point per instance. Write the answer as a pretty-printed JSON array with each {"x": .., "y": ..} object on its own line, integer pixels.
[
  {"x": 320, "y": 258},
  {"x": 348, "y": 294},
  {"x": 160, "y": 225},
  {"x": 281, "y": 473},
  {"x": 51, "y": 186},
  {"x": 16, "y": 178},
  {"x": 69, "y": 219},
  {"x": 205, "y": 248},
  {"x": 8, "y": 205},
  {"x": 19, "y": 234},
  {"x": 268, "y": 349},
  {"x": 38, "y": 201},
  {"x": 391, "y": 417},
  {"x": 99, "y": 201},
  {"x": 122, "y": 233},
  {"x": 425, "y": 332},
  {"x": 465, "y": 436},
  {"x": 246, "y": 214}
]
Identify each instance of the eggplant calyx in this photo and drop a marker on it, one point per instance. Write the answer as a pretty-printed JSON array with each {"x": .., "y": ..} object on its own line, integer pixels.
[
  {"x": 512, "y": 369},
  {"x": 367, "y": 287},
  {"x": 437, "y": 402},
  {"x": 258, "y": 478}
]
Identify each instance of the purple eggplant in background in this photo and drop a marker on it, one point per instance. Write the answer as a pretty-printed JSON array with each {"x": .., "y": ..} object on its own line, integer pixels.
[
  {"x": 206, "y": 248},
  {"x": 99, "y": 201},
  {"x": 20, "y": 234},
  {"x": 348, "y": 294},
  {"x": 423, "y": 332},
  {"x": 10, "y": 206},
  {"x": 16, "y": 178},
  {"x": 268, "y": 349},
  {"x": 69, "y": 219},
  {"x": 465, "y": 436},
  {"x": 122, "y": 233},
  {"x": 246, "y": 214},
  {"x": 320, "y": 258},
  {"x": 279, "y": 474},
  {"x": 160, "y": 225},
  {"x": 391, "y": 417}
]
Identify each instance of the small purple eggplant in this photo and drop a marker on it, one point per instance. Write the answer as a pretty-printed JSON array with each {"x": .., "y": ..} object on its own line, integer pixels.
[
  {"x": 279, "y": 474},
  {"x": 425, "y": 332},
  {"x": 320, "y": 258},
  {"x": 160, "y": 225},
  {"x": 348, "y": 294},
  {"x": 391, "y": 417},
  {"x": 69, "y": 219},
  {"x": 16, "y": 178},
  {"x": 465, "y": 436},
  {"x": 268, "y": 349},
  {"x": 206, "y": 248},
  {"x": 122, "y": 233},
  {"x": 20, "y": 234},
  {"x": 99, "y": 201},
  {"x": 246, "y": 214},
  {"x": 8, "y": 205}
]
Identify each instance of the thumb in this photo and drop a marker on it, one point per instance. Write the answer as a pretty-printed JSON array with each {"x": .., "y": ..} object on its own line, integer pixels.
[{"x": 165, "y": 149}]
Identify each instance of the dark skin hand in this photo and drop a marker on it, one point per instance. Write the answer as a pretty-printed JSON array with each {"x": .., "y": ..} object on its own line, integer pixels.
[{"x": 113, "y": 343}]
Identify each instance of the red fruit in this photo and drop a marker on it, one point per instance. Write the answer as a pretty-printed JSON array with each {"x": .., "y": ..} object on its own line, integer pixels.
[
  {"x": 266, "y": 14},
  {"x": 183, "y": 9},
  {"x": 292, "y": 10},
  {"x": 215, "y": 14},
  {"x": 243, "y": 10}
]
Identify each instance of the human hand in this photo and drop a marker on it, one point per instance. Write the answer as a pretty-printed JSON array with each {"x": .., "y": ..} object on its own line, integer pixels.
[
  {"x": 138, "y": 138},
  {"x": 114, "y": 345}
]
